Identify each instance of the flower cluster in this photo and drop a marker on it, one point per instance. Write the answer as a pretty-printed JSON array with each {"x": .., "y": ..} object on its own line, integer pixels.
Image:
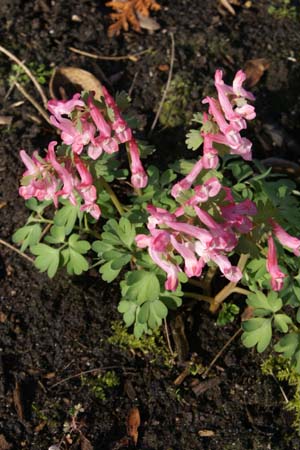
[
  {"x": 97, "y": 127},
  {"x": 228, "y": 115},
  {"x": 197, "y": 238}
]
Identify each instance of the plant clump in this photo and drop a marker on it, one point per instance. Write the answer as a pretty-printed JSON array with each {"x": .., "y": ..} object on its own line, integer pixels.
[{"x": 220, "y": 211}]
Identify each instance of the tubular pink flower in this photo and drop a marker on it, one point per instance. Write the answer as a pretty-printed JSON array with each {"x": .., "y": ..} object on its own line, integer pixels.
[
  {"x": 41, "y": 184},
  {"x": 225, "y": 103},
  {"x": 171, "y": 269},
  {"x": 158, "y": 216},
  {"x": 139, "y": 178},
  {"x": 102, "y": 126},
  {"x": 187, "y": 182},
  {"x": 201, "y": 234},
  {"x": 224, "y": 239},
  {"x": 286, "y": 239},
  {"x": 64, "y": 175},
  {"x": 277, "y": 276},
  {"x": 237, "y": 88},
  {"x": 192, "y": 266},
  {"x": 59, "y": 107},
  {"x": 230, "y": 272}
]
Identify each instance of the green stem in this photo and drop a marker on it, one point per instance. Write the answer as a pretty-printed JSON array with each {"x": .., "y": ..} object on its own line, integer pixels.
[
  {"x": 242, "y": 291},
  {"x": 113, "y": 196}
]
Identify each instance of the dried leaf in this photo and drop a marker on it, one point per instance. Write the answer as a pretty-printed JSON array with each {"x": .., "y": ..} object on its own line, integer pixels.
[
  {"x": 133, "y": 423},
  {"x": 247, "y": 313},
  {"x": 127, "y": 14},
  {"x": 66, "y": 81},
  {"x": 254, "y": 69},
  {"x": 4, "y": 445}
]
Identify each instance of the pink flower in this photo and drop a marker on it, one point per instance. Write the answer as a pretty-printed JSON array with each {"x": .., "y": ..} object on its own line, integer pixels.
[
  {"x": 71, "y": 135},
  {"x": 286, "y": 239},
  {"x": 59, "y": 107},
  {"x": 237, "y": 88},
  {"x": 187, "y": 182},
  {"x": 277, "y": 276},
  {"x": 139, "y": 178},
  {"x": 64, "y": 175},
  {"x": 102, "y": 126},
  {"x": 41, "y": 182}
]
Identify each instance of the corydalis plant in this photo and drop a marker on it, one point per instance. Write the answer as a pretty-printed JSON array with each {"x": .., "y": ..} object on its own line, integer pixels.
[{"x": 224, "y": 218}]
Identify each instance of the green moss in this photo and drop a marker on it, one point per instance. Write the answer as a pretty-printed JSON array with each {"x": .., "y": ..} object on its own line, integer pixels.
[
  {"x": 174, "y": 111},
  {"x": 282, "y": 9},
  {"x": 148, "y": 345},
  {"x": 101, "y": 384},
  {"x": 40, "y": 72},
  {"x": 281, "y": 368}
]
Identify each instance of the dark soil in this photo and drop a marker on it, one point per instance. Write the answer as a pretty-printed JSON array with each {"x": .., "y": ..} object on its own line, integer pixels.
[{"x": 53, "y": 330}]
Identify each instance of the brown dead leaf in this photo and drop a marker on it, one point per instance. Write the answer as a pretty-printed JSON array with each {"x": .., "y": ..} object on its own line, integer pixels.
[
  {"x": 4, "y": 445},
  {"x": 66, "y": 81},
  {"x": 133, "y": 423},
  {"x": 247, "y": 313},
  {"x": 254, "y": 69},
  {"x": 85, "y": 444}
]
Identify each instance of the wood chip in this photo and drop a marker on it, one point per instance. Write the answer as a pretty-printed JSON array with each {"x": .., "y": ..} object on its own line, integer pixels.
[{"x": 206, "y": 433}]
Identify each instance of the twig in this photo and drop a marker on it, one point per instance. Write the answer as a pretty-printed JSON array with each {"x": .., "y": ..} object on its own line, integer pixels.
[
  {"x": 212, "y": 363},
  {"x": 28, "y": 72},
  {"x": 168, "y": 338},
  {"x": 172, "y": 57},
  {"x": 11, "y": 247},
  {"x": 79, "y": 374},
  {"x": 33, "y": 102},
  {"x": 109, "y": 58}
]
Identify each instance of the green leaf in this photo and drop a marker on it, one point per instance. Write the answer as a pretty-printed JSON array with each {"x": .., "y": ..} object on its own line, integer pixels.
[
  {"x": 75, "y": 262},
  {"x": 120, "y": 262},
  {"x": 257, "y": 331},
  {"x": 282, "y": 322},
  {"x": 288, "y": 345},
  {"x": 126, "y": 232},
  {"x": 270, "y": 304},
  {"x": 36, "y": 206},
  {"x": 28, "y": 236},
  {"x": 193, "y": 139},
  {"x": 66, "y": 217},
  {"x": 80, "y": 246},
  {"x": 108, "y": 273},
  {"x": 142, "y": 286},
  {"x": 57, "y": 235},
  {"x": 47, "y": 258}
]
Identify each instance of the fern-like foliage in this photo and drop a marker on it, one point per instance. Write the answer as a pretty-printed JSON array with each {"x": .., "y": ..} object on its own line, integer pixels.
[{"x": 126, "y": 14}]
